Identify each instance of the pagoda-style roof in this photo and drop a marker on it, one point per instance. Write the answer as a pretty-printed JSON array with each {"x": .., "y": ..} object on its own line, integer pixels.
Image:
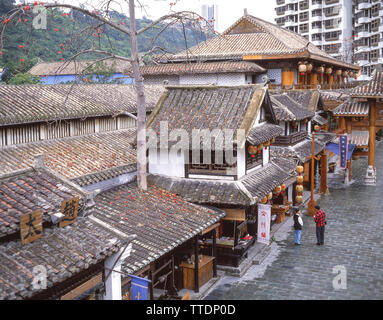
[
  {"x": 373, "y": 89},
  {"x": 352, "y": 108},
  {"x": 251, "y": 38}
]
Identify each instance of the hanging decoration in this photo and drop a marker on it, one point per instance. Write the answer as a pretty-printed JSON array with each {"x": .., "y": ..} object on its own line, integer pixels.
[
  {"x": 345, "y": 73},
  {"x": 302, "y": 68},
  {"x": 316, "y": 128},
  {"x": 299, "y": 187},
  {"x": 320, "y": 69},
  {"x": 309, "y": 67},
  {"x": 338, "y": 72},
  {"x": 329, "y": 70},
  {"x": 252, "y": 150}
]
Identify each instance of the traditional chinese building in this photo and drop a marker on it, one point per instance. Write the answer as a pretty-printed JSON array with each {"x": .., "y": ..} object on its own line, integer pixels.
[{"x": 288, "y": 58}]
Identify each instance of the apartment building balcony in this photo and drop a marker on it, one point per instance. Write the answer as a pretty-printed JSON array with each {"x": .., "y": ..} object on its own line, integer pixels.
[
  {"x": 290, "y": 23},
  {"x": 304, "y": 5},
  {"x": 332, "y": 12},
  {"x": 316, "y": 6},
  {"x": 362, "y": 34},
  {"x": 363, "y": 62},
  {"x": 291, "y": 12},
  {"x": 332, "y": 26},
  {"x": 328, "y": 2},
  {"x": 361, "y": 49},
  {"x": 290, "y": 139},
  {"x": 316, "y": 18},
  {"x": 316, "y": 42},
  {"x": 363, "y": 20},
  {"x": 280, "y": 12},
  {"x": 279, "y": 2},
  {"x": 316, "y": 30},
  {"x": 364, "y": 5}
]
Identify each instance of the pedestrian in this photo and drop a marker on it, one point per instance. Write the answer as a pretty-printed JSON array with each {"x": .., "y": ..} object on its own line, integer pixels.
[
  {"x": 298, "y": 224},
  {"x": 320, "y": 220}
]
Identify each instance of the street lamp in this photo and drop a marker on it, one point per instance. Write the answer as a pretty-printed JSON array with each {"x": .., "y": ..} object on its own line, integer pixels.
[{"x": 312, "y": 203}]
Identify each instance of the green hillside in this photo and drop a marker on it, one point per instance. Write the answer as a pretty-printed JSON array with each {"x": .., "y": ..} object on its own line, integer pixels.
[{"x": 68, "y": 33}]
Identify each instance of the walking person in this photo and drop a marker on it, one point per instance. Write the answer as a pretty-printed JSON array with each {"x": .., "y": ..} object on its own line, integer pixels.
[
  {"x": 298, "y": 224},
  {"x": 320, "y": 220}
]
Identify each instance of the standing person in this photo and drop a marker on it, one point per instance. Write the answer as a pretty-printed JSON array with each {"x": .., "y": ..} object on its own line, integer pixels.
[
  {"x": 320, "y": 220},
  {"x": 298, "y": 224}
]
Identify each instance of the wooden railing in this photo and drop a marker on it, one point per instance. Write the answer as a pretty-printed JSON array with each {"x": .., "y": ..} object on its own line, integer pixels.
[{"x": 290, "y": 139}]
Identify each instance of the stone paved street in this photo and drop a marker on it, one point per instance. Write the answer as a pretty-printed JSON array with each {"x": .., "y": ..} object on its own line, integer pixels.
[{"x": 353, "y": 239}]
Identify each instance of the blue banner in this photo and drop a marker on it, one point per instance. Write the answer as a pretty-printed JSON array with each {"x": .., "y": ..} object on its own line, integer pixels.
[
  {"x": 343, "y": 151},
  {"x": 139, "y": 288}
]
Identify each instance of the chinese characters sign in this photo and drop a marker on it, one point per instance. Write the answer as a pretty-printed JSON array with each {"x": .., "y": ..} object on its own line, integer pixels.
[
  {"x": 264, "y": 217},
  {"x": 343, "y": 151},
  {"x": 31, "y": 227},
  {"x": 70, "y": 209}
]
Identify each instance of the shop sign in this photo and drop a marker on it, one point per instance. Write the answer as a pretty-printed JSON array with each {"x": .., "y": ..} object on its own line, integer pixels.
[{"x": 264, "y": 218}]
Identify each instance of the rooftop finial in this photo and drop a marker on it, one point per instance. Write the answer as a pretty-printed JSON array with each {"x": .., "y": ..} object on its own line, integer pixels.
[{"x": 245, "y": 11}]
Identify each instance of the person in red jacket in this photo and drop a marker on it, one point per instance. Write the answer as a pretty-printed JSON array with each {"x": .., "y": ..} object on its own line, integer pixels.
[{"x": 320, "y": 221}]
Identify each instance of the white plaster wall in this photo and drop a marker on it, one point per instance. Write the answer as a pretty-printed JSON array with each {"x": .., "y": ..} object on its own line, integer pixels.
[
  {"x": 290, "y": 193},
  {"x": 282, "y": 124},
  {"x": 167, "y": 163},
  {"x": 266, "y": 156},
  {"x": 241, "y": 162},
  {"x": 172, "y": 80},
  {"x": 216, "y": 79}
]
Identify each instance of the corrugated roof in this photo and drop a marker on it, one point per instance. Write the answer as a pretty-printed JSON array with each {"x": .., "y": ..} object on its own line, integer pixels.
[
  {"x": 74, "y": 156},
  {"x": 36, "y": 103}
]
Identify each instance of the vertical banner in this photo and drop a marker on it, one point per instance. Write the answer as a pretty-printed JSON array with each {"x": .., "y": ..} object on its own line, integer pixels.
[
  {"x": 264, "y": 217},
  {"x": 139, "y": 288},
  {"x": 343, "y": 151}
]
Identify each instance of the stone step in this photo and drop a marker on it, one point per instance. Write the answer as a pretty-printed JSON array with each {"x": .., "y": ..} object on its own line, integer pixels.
[{"x": 262, "y": 255}]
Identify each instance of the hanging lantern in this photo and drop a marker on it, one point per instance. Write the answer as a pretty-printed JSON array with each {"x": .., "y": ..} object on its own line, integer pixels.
[
  {"x": 264, "y": 200},
  {"x": 299, "y": 199},
  {"x": 302, "y": 69},
  {"x": 338, "y": 72},
  {"x": 345, "y": 74},
  {"x": 260, "y": 147},
  {"x": 359, "y": 73},
  {"x": 299, "y": 179},
  {"x": 320, "y": 70},
  {"x": 252, "y": 150},
  {"x": 278, "y": 189},
  {"x": 299, "y": 169},
  {"x": 329, "y": 70},
  {"x": 266, "y": 144},
  {"x": 309, "y": 67},
  {"x": 351, "y": 74},
  {"x": 316, "y": 128},
  {"x": 299, "y": 188},
  {"x": 283, "y": 187},
  {"x": 270, "y": 196},
  {"x": 355, "y": 76}
]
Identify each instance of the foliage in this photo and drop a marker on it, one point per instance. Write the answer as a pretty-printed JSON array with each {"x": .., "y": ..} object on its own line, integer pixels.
[
  {"x": 24, "y": 78},
  {"x": 69, "y": 33}
]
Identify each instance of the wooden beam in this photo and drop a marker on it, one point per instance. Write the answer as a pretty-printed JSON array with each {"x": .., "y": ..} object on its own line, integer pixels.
[{"x": 210, "y": 228}]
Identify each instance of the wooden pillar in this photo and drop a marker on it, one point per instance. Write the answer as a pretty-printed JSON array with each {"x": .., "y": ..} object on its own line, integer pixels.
[
  {"x": 372, "y": 129},
  {"x": 196, "y": 260},
  {"x": 330, "y": 80},
  {"x": 313, "y": 78},
  {"x": 312, "y": 203},
  {"x": 323, "y": 175},
  {"x": 349, "y": 170},
  {"x": 214, "y": 253},
  {"x": 343, "y": 124},
  {"x": 348, "y": 125}
]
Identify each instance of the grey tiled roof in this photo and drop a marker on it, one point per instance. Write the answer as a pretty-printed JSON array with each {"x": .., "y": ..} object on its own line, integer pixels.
[
  {"x": 102, "y": 175},
  {"x": 261, "y": 38},
  {"x": 40, "y": 103},
  {"x": 263, "y": 181},
  {"x": 28, "y": 190},
  {"x": 202, "y": 191},
  {"x": 64, "y": 252},
  {"x": 74, "y": 156},
  {"x": 300, "y": 151},
  {"x": 264, "y": 132},
  {"x": 373, "y": 89},
  {"x": 319, "y": 119},
  {"x": 352, "y": 107},
  {"x": 287, "y": 109},
  {"x": 160, "y": 220}
]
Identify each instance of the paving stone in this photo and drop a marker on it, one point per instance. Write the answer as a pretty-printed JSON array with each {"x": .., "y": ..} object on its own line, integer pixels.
[{"x": 353, "y": 238}]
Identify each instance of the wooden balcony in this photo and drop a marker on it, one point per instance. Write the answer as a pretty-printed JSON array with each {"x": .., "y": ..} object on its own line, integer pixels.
[{"x": 290, "y": 139}]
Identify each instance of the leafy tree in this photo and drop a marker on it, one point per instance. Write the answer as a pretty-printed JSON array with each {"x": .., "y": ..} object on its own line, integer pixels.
[{"x": 24, "y": 78}]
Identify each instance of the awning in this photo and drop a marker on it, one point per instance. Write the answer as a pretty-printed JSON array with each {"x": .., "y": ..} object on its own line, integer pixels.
[{"x": 334, "y": 148}]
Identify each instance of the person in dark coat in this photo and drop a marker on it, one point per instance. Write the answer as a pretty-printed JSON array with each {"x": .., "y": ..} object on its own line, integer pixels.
[
  {"x": 298, "y": 224},
  {"x": 320, "y": 221}
]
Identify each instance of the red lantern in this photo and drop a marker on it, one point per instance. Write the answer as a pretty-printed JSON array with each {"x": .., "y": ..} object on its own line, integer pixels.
[{"x": 21, "y": 46}]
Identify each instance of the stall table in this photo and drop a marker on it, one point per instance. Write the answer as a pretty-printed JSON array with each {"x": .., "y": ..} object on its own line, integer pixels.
[{"x": 205, "y": 272}]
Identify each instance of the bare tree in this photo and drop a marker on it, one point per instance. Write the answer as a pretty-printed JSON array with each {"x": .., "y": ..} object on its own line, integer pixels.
[{"x": 102, "y": 16}]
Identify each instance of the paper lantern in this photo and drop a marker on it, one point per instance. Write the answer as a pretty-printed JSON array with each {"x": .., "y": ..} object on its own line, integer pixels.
[
  {"x": 278, "y": 189},
  {"x": 302, "y": 69},
  {"x": 329, "y": 70},
  {"x": 299, "y": 188},
  {"x": 270, "y": 196},
  {"x": 338, "y": 72},
  {"x": 316, "y": 127},
  {"x": 266, "y": 144},
  {"x": 309, "y": 67},
  {"x": 351, "y": 74},
  {"x": 345, "y": 73},
  {"x": 252, "y": 150},
  {"x": 299, "y": 169},
  {"x": 299, "y": 179},
  {"x": 283, "y": 187},
  {"x": 264, "y": 200},
  {"x": 320, "y": 70},
  {"x": 299, "y": 199}
]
